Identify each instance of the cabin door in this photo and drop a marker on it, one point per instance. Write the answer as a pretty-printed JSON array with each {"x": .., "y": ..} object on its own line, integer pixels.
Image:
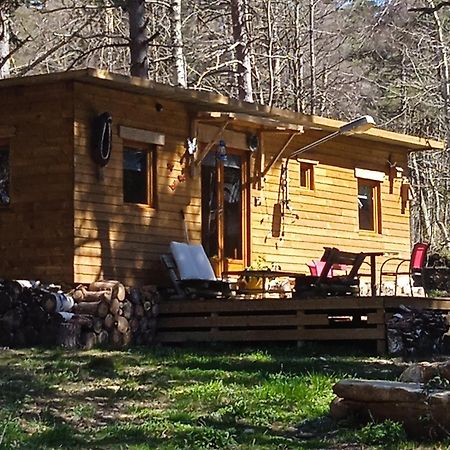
[{"x": 225, "y": 209}]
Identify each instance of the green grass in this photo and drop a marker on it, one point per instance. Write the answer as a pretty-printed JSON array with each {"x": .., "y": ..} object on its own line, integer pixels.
[{"x": 184, "y": 398}]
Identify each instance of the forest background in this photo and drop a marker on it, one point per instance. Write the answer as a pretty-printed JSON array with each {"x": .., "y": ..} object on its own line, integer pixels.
[{"x": 335, "y": 58}]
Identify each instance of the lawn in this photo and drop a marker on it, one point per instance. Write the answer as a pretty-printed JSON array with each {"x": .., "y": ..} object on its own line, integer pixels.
[{"x": 180, "y": 398}]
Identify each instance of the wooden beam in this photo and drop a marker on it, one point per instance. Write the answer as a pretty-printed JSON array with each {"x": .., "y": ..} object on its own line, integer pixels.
[
  {"x": 278, "y": 155},
  {"x": 140, "y": 135},
  {"x": 272, "y": 124},
  {"x": 205, "y": 151}
]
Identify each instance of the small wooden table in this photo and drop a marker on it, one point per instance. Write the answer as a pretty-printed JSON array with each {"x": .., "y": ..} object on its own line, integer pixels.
[
  {"x": 373, "y": 268},
  {"x": 264, "y": 274}
]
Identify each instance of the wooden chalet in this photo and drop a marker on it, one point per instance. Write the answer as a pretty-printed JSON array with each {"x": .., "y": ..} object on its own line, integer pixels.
[{"x": 71, "y": 211}]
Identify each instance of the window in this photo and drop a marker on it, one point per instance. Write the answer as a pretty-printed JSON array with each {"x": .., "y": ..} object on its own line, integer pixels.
[
  {"x": 306, "y": 174},
  {"x": 369, "y": 205},
  {"x": 139, "y": 167},
  {"x": 4, "y": 175}
]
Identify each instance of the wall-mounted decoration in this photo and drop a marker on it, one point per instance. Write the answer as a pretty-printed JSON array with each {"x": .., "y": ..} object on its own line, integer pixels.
[
  {"x": 221, "y": 151},
  {"x": 395, "y": 172},
  {"x": 102, "y": 139},
  {"x": 405, "y": 193}
]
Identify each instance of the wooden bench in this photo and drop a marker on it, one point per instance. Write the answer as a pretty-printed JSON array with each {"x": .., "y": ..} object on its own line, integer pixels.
[{"x": 324, "y": 285}]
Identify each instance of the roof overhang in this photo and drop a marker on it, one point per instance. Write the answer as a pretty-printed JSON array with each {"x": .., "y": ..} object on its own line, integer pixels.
[
  {"x": 200, "y": 102},
  {"x": 379, "y": 135}
]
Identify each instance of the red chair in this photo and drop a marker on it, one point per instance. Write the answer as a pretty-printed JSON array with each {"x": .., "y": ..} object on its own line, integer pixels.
[
  {"x": 415, "y": 269},
  {"x": 316, "y": 267}
]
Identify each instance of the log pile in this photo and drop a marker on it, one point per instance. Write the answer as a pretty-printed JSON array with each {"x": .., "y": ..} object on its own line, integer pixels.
[
  {"x": 102, "y": 313},
  {"x": 120, "y": 316},
  {"x": 413, "y": 332},
  {"x": 26, "y": 318}
]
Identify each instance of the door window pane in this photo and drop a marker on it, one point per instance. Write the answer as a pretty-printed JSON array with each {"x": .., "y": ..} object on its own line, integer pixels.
[
  {"x": 222, "y": 206},
  {"x": 210, "y": 235},
  {"x": 232, "y": 194}
]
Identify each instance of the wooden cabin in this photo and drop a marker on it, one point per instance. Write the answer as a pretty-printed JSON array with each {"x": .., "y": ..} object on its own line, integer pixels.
[{"x": 74, "y": 208}]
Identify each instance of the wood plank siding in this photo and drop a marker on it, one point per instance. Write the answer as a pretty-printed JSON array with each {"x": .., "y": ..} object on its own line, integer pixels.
[
  {"x": 118, "y": 240},
  {"x": 36, "y": 228},
  {"x": 67, "y": 220},
  {"x": 328, "y": 215}
]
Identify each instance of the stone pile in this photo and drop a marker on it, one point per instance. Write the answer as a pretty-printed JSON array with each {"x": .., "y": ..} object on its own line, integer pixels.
[
  {"x": 413, "y": 332},
  {"x": 423, "y": 412}
]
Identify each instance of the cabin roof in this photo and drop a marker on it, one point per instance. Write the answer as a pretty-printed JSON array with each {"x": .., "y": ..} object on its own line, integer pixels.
[{"x": 205, "y": 101}]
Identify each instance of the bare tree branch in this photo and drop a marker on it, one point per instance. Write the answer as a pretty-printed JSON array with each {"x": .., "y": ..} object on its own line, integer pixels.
[{"x": 429, "y": 9}]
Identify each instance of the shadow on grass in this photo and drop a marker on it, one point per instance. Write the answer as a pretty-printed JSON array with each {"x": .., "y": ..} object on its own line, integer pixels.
[
  {"x": 199, "y": 434},
  {"x": 18, "y": 383},
  {"x": 275, "y": 360},
  {"x": 56, "y": 437}
]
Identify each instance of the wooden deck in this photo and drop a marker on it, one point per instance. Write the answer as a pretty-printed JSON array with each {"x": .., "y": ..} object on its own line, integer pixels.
[{"x": 327, "y": 319}]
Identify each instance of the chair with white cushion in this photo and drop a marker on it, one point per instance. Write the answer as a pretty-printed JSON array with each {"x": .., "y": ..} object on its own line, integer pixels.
[{"x": 191, "y": 273}]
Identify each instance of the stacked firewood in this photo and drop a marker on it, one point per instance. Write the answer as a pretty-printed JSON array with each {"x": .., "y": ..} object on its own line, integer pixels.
[
  {"x": 120, "y": 316},
  {"x": 103, "y": 313},
  {"x": 25, "y": 319},
  {"x": 413, "y": 332}
]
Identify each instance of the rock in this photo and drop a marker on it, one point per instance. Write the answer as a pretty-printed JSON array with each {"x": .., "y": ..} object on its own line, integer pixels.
[
  {"x": 419, "y": 373},
  {"x": 379, "y": 391},
  {"x": 423, "y": 372},
  {"x": 443, "y": 369},
  {"x": 340, "y": 409},
  {"x": 423, "y": 412}
]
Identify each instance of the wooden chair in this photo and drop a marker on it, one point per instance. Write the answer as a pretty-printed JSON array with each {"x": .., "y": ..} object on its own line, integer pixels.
[
  {"x": 191, "y": 273},
  {"x": 415, "y": 267},
  {"x": 316, "y": 266},
  {"x": 325, "y": 285}
]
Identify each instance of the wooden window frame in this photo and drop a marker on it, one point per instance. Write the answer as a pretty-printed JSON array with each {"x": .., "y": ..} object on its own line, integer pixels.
[
  {"x": 151, "y": 151},
  {"x": 6, "y": 147},
  {"x": 376, "y": 208},
  {"x": 308, "y": 169}
]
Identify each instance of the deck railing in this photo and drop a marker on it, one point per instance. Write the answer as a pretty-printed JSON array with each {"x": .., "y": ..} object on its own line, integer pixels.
[{"x": 319, "y": 319}]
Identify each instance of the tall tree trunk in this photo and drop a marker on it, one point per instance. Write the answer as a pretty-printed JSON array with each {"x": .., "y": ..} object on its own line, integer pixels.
[
  {"x": 138, "y": 38},
  {"x": 299, "y": 63},
  {"x": 177, "y": 42},
  {"x": 240, "y": 36},
  {"x": 312, "y": 57},
  {"x": 109, "y": 28},
  {"x": 270, "y": 38},
  {"x": 4, "y": 46},
  {"x": 423, "y": 213}
]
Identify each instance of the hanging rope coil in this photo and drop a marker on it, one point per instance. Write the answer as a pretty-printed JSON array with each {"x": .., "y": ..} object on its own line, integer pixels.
[{"x": 102, "y": 139}]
